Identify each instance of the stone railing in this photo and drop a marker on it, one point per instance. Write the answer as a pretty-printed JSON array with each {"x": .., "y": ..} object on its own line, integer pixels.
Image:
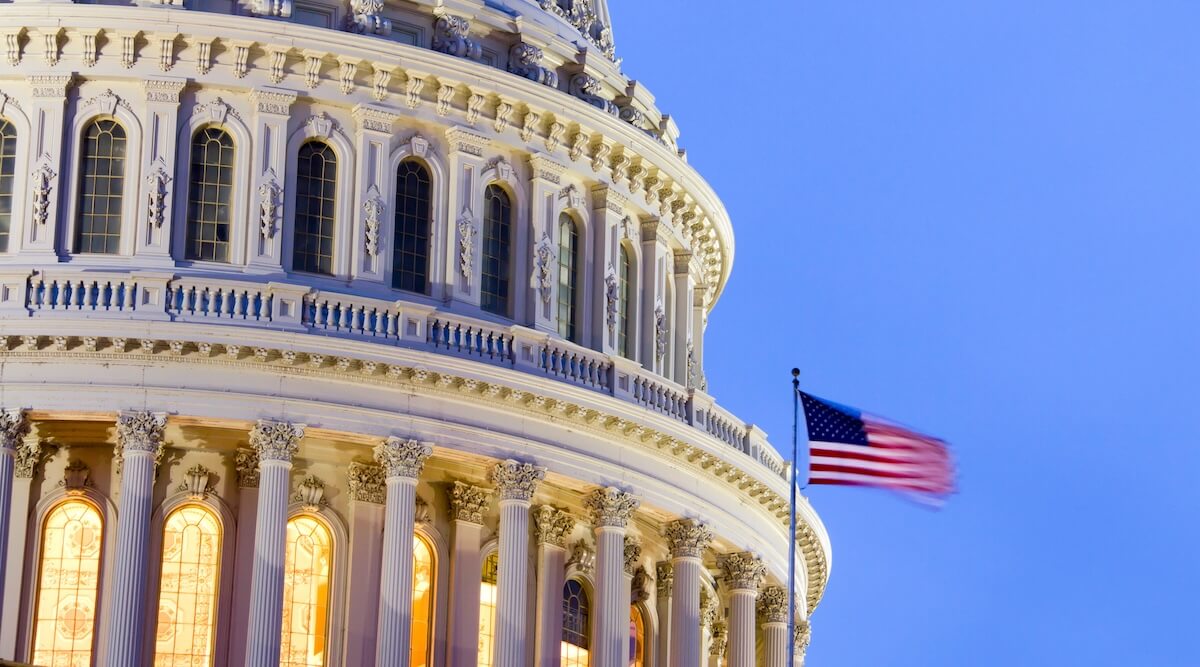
[{"x": 150, "y": 295}]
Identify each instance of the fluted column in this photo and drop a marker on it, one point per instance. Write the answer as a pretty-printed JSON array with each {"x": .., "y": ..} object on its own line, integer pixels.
[
  {"x": 688, "y": 539},
  {"x": 29, "y": 455},
  {"x": 402, "y": 461},
  {"x": 772, "y": 608},
  {"x": 467, "y": 504},
  {"x": 516, "y": 483},
  {"x": 139, "y": 444},
  {"x": 13, "y": 428},
  {"x": 611, "y": 510},
  {"x": 276, "y": 444},
  {"x": 744, "y": 573},
  {"x": 801, "y": 636},
  {"x": 551, "y": 527},
  {"x": 712, "y": 646},
  {"x": 664, "y": 577}
]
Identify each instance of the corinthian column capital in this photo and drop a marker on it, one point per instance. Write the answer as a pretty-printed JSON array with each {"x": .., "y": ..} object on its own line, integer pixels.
[
  {"x": 552, "y": 526},
  {"x": 688, "y": 538},
  {"x": 516, "y": 480},
  {"x": 276, "y": 441},
  {"x": 743, "y": 571},
  {"x": 611, "y": 507},
  {"x": 402, "y": 458},
  {"x": 141, "y": 431},
  {"x": 773, "y": 604},
  {"x": 468, "y": 502},
  {"x": 13, "y": 427}
]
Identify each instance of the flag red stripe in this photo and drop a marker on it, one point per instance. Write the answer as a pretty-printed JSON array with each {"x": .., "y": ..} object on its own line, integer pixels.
[{"x": 915, "y": 473}]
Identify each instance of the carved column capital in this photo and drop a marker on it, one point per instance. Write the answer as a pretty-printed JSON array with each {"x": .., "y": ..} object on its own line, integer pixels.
[
  {"x": 801, "y": 637},
  {"x": 275, "y": 101},
  {"x": 366, "y": 483},
  {"x": 13, "y": 428},
  {"x": 773, "y": 604},
  {"x": 467, "y": 502},
  {"x": 611, "y": 507},
  {"x": 140, "y": 432},
  {"x": 743, "y": 571},
  {"x": 688, "y": 538},
  {"x": 246, "y": 462},
  {"x": 633, "y": 554},
  {"x": 516, "y": 480},
  {"x": 552, "y": 525},
  {"x": 464, "y": 140},
  {"x": 720, "y": 639},
  {"x": 664, "y": 576},
  {"x": 402, "y": 458},
  {"x": 276, "y": 441}
]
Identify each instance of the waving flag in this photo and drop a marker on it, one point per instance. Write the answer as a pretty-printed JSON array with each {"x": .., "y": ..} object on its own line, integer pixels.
[{"x": 849, "y": 447}]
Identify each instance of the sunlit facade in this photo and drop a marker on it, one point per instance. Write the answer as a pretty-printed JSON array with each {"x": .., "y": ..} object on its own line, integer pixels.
[
  {"x": 187, "y": 588},
  {"x": 68, "y": 583}
]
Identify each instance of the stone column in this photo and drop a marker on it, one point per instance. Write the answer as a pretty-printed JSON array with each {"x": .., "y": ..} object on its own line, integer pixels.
[
  {"x": 367, "y": 496},
  {"x": 402, "y": 461},
  {"x": 276, "y": 444},
  {"x": 611, "y": 510},
  {"x": 688, "y": 538},
  {"x": 13, "y": 428},
  {"x": 552, "y": 527},
  {"x": 467, "y": 504},
  {"x": 773, "y": 607},
  {"x": 29, "y": 454},
  {"x": 664, "y": 577},
  {"x": 801, "y": 637},
  {"x": 744, "y": 573},
  {"x": 139, "y": 445},
  {"x": 516, "y": 483}
]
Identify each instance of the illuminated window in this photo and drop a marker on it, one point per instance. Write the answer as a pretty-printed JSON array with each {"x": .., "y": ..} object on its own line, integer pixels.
[
  {"x": 307, "y": 567},
  {"x": 187, "y": 597},
  {"x": 210, "y": 195},
  {"x": 576, "y": 631},
  {"x": 637, "y": 638},
  {"x": 623, "y": 304},
  {"x": 68, "y": 578},
  {"x": 497, "y": 240},
  {"x": 410, "y": 243},
  {"x": 568, "y": 267},
  {"x": 8, "y": 172},
  {"x": 487, "y": 609},
  {"x": 101, "y": 187},
  {"x": 422, "y": 620},
  {"x": 316, "y": 199}
]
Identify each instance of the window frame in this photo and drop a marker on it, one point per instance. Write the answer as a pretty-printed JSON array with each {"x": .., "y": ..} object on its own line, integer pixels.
[
  {"x": 393, "y": 208},
  {"x": 337, "y": 579},
  {"x": 571, "y": 331},
  {"x": 345, "y": 221},
  {"x": 18, "y": 236},
  {"x": 186, "y": 197},
  {"x": 132, "y": 212},
  {"x": 243, "y": 228},
  {"x": 513, "y": 283}
]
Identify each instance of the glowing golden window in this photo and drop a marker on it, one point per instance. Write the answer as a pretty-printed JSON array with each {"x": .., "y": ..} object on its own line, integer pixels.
[
  {"x": 307, "y": 568},
  {"x": 68, "y": 577},
  {"x": 576, "y": 628},
  {"x": 637, "y": 638},
  {"x": 422, "y": 619},
  {"x": 487, "y": 609},
  {"x": 187, "y": 598}
]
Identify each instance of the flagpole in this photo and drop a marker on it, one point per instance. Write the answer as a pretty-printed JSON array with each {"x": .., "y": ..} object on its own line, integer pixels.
[{"x": 791, "y": 612}]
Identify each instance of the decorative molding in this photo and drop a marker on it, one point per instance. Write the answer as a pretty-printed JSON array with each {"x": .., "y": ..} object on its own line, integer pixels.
[
  {"x": 632, "y": 553},
  {"x": 43, "y": 184},
  {"x": 366, "y": 483},
  {"x": 195, "y": 482},
  {"x": 611, "y": 506},
  {"x": 30, "y": 453},
  {"x": 587, "y": 88},
  {"x": 529, "y": 125},
  {"x": 546, "y": 169},
  {"x": 552, "y": 526},
  {"x": 525, "y": 60},
  {"x": 516, "y": 480},
  {"x": 664, "y": 577},
  {"x": 801, "y": 637},
  {"x": 688, "y": 538},
  {"x": 366, "y": 18},
  {"x": 639, "y": 589},
  {"x": 612, "y": 293},
  {"x": 660, "y": 332},
  {"x": 450, "y": 36},
  {"x": 276, "y": 441},
  {"x": 543, "y": 252},
  {"x": 273, "y": 101},
  {"x": 467, "y": 141},
  {"x": 773, "y": 604},
  {"x": 422, "y": 512},
  {"x": 720, "y": 639},
  {"x": 467, "y": 503},
  {"x": 311, "y": 494},
  {"x": 373, "y": 209},
  {"x": 402, "y": 457},
  {"x": 582, "y": 558},
  {"x": 743, "y": 571},
  {"x": 270, "y": 204},
  {"x": 13, "y": 429},
  {"x": 158, "y": 182},
  {"x": 466, "y": 245},
  {"x": 163, "y": 90},
  {"x": 76, "y": 478},
  {"x": 140, "y": 432}
]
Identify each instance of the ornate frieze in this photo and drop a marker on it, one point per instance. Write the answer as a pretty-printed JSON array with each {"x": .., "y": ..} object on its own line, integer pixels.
[
  {"x": 366, "y": 483},
  {"x": 688, "y": 538},
  {"x": 276, "y": 441},
  {"x": 467, "y": 502},
  {"x": 664, "y": 576},
  {"x": 402, "y": 457},
  {"x": 195, "y": 482},
  {"x": 526, "y": 60},
  {"x": 611, "y": 506},
  {"x": 273, "y": 101},
  {"x": 743, "y": 571},
  {"x": 163, "y": 90},
  {"x": 552, "y": 525},
  {"x": 773, "y": 604},
  {"x": 450, "y": 36}
]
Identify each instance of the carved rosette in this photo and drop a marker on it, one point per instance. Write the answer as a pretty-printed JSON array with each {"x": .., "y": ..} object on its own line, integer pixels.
[
  {"x": 245, "y": 460},
  {"x": 516, "y": 480},
  {"x": 552, "y": 526},
  {"x": 773, "y": 604},
  {"x": 611, "y": 507},
  {"x": 743, "y": 571},
  {"x": 664, "y": 575},
  {"x": 402, "y": 458},
  {"x": 13, "y": 428},
  {"x": 276, "y": 441},
  {"x": 467, "y": 502},
  {"x": 688, "y": 538},
  {"x": 366, "y": 483},
  {"x": 633, "y": 553}
]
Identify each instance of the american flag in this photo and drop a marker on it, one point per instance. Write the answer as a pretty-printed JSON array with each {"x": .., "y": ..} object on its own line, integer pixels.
[{"x": 851, "y": 448}]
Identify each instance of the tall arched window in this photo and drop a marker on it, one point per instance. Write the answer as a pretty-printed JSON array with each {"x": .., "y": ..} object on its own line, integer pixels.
[
  {"x": 487, "y": 609},
  {"x": 316, "y": 201},
  {"x": 410, "y": 242},
  {"x": 210, "y": 195},
  {"x": 8, "y": 173},
  {"x": 637, "y": 638},
  {"x": 623, "y": 307},
  {"x": 497, "y": 242},
  {"x": 187, "y": 593},
  {"x": 424, "y": 576},
  {"x": 101, "y": 187},
  {"x": 307, "y": 572},
  {"x": 576, "y": 630},
  {"x": 568, "y": 279},
  {"x": 68, "y": 578}
]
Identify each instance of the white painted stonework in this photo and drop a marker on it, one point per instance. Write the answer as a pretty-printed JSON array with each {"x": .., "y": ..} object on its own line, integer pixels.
[{"x": 260, "y": 392}]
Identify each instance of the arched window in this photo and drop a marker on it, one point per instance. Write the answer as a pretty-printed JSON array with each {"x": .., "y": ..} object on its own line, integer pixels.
[
  {"x": 497, "y": 241},
  {"x": 187, "y": 594},
  {"x": 410, "y": 243},
  {"x": 307, "y": 572},
  {"x": 8, "y": 173},
  {"x": 637, "y": 638},
  {"x": 568, "y": 279},
  {"x": 625, "y": 321},
  {"x": 68, "y": 578},
  {"x": 316, "y": 200},
  {"x": 424, "y": 576},
  {"x": 487, "y": 609},
  {"x": 210, "y": 195},
  {"x": 101, "y": 187},
  {"x": 576, "y": 630}
]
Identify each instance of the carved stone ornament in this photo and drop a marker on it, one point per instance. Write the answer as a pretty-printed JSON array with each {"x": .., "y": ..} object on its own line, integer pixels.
[
  {"x": 611, "y": 507},
  {"x": 246, "y": 463},
  {"x": 467, "y": 502},
  {"x": 366, "y": 18},
  {"x": 583, "y": 17},
  {"x": 639, "y": 588},
  {"x": 195, "y": 482},
  {"x": 587, "y": 88},
  {"x": 743, "y": 571},
  {"x": 612, "y": 294},
  {"x": 773, "y": 604},
  {"x": 633, "y": 553},
  {"x": 516, "y": 480},
  {"x": 450, "y": 37},
  {"x": 660, "y": 333},
  {"x": 270, "y": 196},
  {"x": 664, "y": 575},
  {"x": 720, "y": 639},
  {"x": 13, "y": 428},
  {"x": 466, "y": 245},
  {"x": 552, "y": 525},
  {"x": 76, "y": 478},
  {"x": 688, "y": 538},
  {"x": 140, "y": 432},
  {"x": 30, "y": 454},
  {"x": 373, "y": 209},
  {"x": 583, "y": 557},
  {"x": 366, "y": 483},
  {"x": 693, "y": 369},
  {"x": 157, "y": 183},
  {"x": 402, "y": 458},
  {"x": 708, "y": 607},
  {"x": 311, "y": 494},
  {"x": 43, "y": 183},
  {"x": 274, "y": 8},
  {"x": 276, "y": 441},
  {"x": 422, "y": 514},
  {"x": 526, "y": 60},
  {"x": 801, "y": 637},
  {"x": 543, "y": 276}
]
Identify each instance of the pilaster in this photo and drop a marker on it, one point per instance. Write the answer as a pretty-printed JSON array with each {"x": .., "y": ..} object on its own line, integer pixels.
[
  {"x": 681, "y": 329},
  {"x": 37, "y": 230},
  {"x": 13, "y": 429},
  {"x": 552, "y": 527},
  {"x": 245, "y": 461},
  {"x": 654, "y": 273},
  {"x": 372, "y": 228},
  {"x": 545, "y": 204},
  {"x": 156, "y": 205},
  {"x": 664, "y": 578},
  {"x": 464, "y": 259},
  {"x": 608, "y": 212},
  {"x": 367, "y": 495},
  {"x": 467, "y": 506},
  {"x": 268, "y": 173}
]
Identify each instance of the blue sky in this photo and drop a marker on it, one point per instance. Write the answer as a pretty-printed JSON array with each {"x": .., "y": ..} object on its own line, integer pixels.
[{"x": 983, "y": 219}]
